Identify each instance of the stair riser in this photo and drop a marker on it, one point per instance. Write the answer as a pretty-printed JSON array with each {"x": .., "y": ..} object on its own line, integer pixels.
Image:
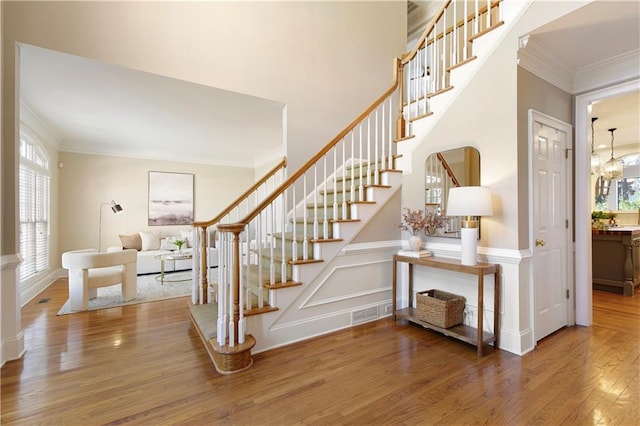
[
  {"x": 319, "y": 214},
  {"x": 300, "y": 230},
  {"x": 337, "y": 197}
]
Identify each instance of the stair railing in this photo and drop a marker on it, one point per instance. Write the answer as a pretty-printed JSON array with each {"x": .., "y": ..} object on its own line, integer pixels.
[
  {"x": 203, "y": 232},
  {"x": 288, "y": 227},
  {"x": 445, "y": 45}
]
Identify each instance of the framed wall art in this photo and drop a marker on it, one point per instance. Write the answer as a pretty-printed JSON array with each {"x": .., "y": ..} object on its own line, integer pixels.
[{"x": 171, "y": 198}]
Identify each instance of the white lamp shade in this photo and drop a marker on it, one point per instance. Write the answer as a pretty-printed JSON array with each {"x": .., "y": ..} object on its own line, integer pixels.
[{"x": 469, "y": 201}]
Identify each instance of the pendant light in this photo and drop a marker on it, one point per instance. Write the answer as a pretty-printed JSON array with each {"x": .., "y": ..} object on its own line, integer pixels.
[
  {"x": 613, "y": 167},
  {"x": 596, "y": 162}
]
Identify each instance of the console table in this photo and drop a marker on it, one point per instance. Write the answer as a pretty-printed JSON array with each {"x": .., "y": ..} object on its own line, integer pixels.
[{"x": 472, "y": 335}]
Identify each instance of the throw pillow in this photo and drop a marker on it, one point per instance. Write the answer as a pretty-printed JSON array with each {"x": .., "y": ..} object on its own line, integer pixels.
[
  {"x": 167, "y": 243},
  {"x": 188, "y": 237},
  {"x": 131, "y": 241},
  {"x": 150, "y": 240}
]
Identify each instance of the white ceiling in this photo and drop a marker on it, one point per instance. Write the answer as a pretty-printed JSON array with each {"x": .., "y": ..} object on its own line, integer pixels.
[{"x": 98, "y": 108}]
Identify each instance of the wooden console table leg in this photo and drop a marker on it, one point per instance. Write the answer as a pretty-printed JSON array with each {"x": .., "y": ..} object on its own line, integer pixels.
[
  {"x": 480, "y": 312},
  {"x": 394, "y": 284},
  {"x": 496, "y": 308}
]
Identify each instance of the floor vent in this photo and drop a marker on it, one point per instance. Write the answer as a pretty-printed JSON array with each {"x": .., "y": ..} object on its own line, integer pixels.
[
  {"x": 364, "y": 315},
  {"x": 45, "y": 300}
]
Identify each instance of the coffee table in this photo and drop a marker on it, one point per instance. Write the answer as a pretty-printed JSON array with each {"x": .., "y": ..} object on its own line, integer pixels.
[{"x": 171, "y": 256}]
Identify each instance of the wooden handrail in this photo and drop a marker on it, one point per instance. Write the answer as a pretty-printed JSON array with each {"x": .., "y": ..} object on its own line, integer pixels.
[
  {"x": 448, "y": 169},
  {"x": 286, "y": 184},
  {"x": 411, "y": 54},
  {"x": 282, "y": 164}
]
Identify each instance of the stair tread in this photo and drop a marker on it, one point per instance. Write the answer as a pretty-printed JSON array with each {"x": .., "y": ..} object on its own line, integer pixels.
[{"x": 285, "y": 284}]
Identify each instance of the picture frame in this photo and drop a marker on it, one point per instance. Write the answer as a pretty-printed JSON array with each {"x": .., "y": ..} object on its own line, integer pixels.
[{"x": 171, "y": 198}]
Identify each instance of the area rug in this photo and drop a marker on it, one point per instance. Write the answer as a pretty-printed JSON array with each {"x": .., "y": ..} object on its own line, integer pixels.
[{"x": 149, "y": 290}]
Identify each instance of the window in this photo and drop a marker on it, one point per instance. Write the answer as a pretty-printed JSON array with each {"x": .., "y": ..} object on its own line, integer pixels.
[
  {"x": 623, "y": 193},
  {"x": 34, "y": 208}
]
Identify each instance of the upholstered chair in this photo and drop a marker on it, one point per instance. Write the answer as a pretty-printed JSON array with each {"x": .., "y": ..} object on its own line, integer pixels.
[{"x": 90, "y": 269}]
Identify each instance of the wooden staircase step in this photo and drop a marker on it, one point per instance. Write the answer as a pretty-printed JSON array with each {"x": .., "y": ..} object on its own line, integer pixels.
[
  {"x": 280, "y": 285},
  {"x": 257, "y": 311}
]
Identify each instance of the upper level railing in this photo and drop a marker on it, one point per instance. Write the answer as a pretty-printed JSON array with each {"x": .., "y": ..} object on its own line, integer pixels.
[
  {"x": 445, "y": 45},
  {"x": 287, "y": 227},
  {"x": 204, "y": 231}
]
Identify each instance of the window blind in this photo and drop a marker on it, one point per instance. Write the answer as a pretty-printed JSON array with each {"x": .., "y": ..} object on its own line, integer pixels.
[{"x": 34, "y": 221}]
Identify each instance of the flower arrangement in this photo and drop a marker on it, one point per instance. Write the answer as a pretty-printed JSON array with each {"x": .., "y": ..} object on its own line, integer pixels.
[
  {"x": 434, "y": 220},
  {"x": 413, "y": 221}
]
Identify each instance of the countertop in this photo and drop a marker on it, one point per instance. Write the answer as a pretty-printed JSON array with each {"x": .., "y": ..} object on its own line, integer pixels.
[{"x": 617, "y": 230}]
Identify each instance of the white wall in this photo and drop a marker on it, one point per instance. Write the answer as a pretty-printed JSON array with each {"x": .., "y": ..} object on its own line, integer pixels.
[{"x": 86, "y": 181}]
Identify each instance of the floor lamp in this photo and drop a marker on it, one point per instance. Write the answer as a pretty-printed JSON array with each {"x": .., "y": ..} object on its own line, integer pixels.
[
  {"x": 469, "y": 201},
  {"x": 116, "y": 208}
]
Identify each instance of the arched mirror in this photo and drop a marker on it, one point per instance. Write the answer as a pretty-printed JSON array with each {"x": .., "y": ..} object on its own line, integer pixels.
[{"x": 443, "y": 170}]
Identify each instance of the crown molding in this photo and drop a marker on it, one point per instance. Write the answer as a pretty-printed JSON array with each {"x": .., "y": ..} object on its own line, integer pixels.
[
  {"x": 533, "y": 57},
  {"x": 624, "y": 67},
  {"x": 38, "y": 126}
]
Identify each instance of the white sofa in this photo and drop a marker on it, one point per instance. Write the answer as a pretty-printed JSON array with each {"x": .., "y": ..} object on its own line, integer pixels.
[{"x": 154, "y": 244}]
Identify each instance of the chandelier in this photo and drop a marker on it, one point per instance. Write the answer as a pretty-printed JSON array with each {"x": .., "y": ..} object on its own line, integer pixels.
[
  {"x": 613, "y": 167},
  {"x": 596, "y": 162}
]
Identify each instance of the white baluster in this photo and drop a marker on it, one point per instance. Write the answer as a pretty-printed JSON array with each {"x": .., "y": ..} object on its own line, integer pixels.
[
  {"x": 305, "y": 240},
  {"x": 488, "y": 14},
  {"x": 294, "y": 243},
  {"x": 272, "y": 264},
  {"x": 315, "y": 201},
  {"x": 324, "y": 200},
  {"x": 360, "y": 188},
  {"x": 390, "y": 130},
  {"x": 283, "y": 249},
  {"x": 376, "y": 155}
]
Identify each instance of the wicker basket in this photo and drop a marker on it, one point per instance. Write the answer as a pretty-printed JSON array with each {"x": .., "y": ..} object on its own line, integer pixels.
[{"x": 440, "y": 308}]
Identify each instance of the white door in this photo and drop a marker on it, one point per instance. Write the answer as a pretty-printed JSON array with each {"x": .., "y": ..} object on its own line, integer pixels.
[{"x": 550, "y": 220}]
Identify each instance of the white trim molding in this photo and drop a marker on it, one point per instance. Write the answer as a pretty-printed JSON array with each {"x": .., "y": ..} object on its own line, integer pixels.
[{"x": 11, "y": 335}]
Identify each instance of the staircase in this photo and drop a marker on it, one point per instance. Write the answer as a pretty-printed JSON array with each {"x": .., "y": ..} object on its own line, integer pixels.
[{"x": 268, "y": 256}]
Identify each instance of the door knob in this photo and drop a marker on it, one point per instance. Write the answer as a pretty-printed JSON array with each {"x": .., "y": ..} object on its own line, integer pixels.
[{"x": 539, "y": 243}]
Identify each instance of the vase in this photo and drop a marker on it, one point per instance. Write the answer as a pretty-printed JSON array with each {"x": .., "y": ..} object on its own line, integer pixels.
[{"x": 415, "y": 243}]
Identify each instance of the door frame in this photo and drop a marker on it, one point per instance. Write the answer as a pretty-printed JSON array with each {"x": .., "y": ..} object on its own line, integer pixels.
[
  {"x": 534, "y": 116},
  {"x": 582, "y": 215}
]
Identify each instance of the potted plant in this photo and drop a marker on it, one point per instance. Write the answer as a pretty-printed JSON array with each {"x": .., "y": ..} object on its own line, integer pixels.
[{"x": 179, "y": 243}]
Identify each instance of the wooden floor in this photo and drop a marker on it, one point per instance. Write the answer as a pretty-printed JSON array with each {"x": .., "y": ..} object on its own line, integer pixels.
[{"x": 144, "y": 364}]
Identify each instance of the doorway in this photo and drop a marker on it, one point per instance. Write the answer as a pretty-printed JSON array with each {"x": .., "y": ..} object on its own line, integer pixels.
[{"x": 583, "y": 268}]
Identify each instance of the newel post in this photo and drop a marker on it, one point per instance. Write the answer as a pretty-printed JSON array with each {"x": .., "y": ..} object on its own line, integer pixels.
[
  {"x": 235, "y": 354},
  {"x": 400, "y": 122},
  {"x": 204, "y": 291}
]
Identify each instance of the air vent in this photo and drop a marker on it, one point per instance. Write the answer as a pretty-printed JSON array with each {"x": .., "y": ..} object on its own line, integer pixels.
[{"x": 364, "y": 315}]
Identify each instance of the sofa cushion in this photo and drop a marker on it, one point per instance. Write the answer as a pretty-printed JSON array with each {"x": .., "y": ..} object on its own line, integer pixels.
[
  {"x": 150, "y": 240},
  {"x": 132, "y": 241}
]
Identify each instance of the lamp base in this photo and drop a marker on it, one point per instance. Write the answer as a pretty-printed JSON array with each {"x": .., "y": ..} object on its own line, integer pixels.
[{"x": 469, "y": 245}]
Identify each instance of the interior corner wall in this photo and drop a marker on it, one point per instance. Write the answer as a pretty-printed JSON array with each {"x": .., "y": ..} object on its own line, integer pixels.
[
  {"x": 535, "y": 93},
  {"x": 87, "y": 181}
]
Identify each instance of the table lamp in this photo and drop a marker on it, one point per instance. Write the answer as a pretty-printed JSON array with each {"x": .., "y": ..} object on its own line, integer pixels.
[{"x": 469, "y": 201}]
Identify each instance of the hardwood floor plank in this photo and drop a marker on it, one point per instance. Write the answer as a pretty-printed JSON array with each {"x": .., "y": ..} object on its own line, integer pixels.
[{"x": 144, "y": 364}]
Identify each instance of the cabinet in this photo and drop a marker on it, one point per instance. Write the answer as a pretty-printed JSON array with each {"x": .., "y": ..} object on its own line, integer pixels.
[
  {"x": 616, "y": 259},
  {"x": 473, "y": 335}
]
